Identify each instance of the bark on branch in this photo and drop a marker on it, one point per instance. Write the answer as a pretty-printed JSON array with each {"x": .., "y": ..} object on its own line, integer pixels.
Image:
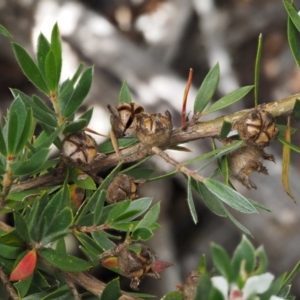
[{"x": 138, "y": 151}]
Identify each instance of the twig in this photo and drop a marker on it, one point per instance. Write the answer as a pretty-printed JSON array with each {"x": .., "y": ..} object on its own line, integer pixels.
[
  {"x": 9, "y": 287},
  {"x": 138, "y": 151},
  {"x": 72, "y": 287},
  {"x": 92, "y": 228},
  {"x": 178, "y": 166}
]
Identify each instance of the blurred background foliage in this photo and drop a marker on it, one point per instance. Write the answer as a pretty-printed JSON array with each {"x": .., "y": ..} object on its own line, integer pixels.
[{"x": 152, "y": 44}]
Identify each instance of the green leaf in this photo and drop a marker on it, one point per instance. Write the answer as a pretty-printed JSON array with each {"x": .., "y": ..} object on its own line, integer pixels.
[
  {"x": 57, "y": 51},
  {"x": 243, "y": 257},
  {"x": 27, "y": 131},
  {"x": 35, "y": 216},
  {"x": 236, "y": 222},
  {"x": 293, "y": 14},
  {"x": 59, "y": 227},
  {"x": 229, "y": 99},
  {"x": 296, "y": 109},
  {"x": 50, "y": 71},
  {"x": 142, "y": 234},
  {"x": 11, "y": 238},
  {"x": 226, "y": 128},
  {"x": 10, "y": 252},
  {"x": 210, "y": 200},
  {"x": 140, "y": 173},
  {"x": 290, "y": 277},
  {"x": 23, "y": 286},
  {"x": 63, "y": 261},
  {"x": 89, "y": 206},
  {"x": 204, "y": 287},
  {"x": 87, "y": 115},
  {"x": 32, "y": 164},
  {"x": 5, "y": 32},
  {"x": 79, "y": 93},
  {"x": 229, "y": 196},
  {"x": 107, "y": 146},
  {"x": 29, "y": 68},
  {"x": 173, "y": 296},
  {"x": 75, "y": 126},
  {"x": 124, "y": 95},
  {"x": 221, "y": 261},
  {"x": 43, "y": 47},
  {"x": 290, "y": 145},
  {"x": 257, "y": 69},
  {"x": 262, "y": 265},
  {"x": 45, "y": 141},
  {"x": 150, "y": 217},
  {"x": 224, "y": 168},
  {"x": 86, "y": 183},
  {"x": 98, "y": 207},
  {"x": 60, "y": 245},
  {"x": 102, "y": 240},
  {"x": 294, "y": 40},
  {"x": 67, "y": 86},
  {"x": 207, "y": 89},
  {"x": 16, "y": 121},
  {"x": 13, "y": 128},
  {"x": 39, "y": 113},
  {"x": 3, "y": 150},
  {"x": 117, "y": 211},
  {"x": 21, "y": 227},
  {"x": 112, "y": 290},
  {"x": 91, "y": 248},
  {"x": 190, "y": 201}
]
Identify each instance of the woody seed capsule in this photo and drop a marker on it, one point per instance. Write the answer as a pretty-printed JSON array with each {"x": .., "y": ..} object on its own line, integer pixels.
[
  {"x": 155, "y": 129},
  {"x": 122, "y": 187},
  {"x": 245, "y": 160},
  {"x": 79, "y": 148},
  {"x": 257, "y": 128},
  {"x": 123, "y": 118}
]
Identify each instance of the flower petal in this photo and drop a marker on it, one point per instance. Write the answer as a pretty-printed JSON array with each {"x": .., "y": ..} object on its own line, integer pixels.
[
  {"x": 220, "y": 283},
  {"x": 257, "y": 284},
  {"x": 276, "y": 298}
]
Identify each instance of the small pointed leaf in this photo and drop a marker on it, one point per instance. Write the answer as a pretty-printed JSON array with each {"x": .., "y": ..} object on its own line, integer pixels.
[
  {"x": 190, "y": 201},
  {"x": 229, "y": 99},
  {"x": 221, "y": 261},
  {"x": 43, "y": 48},
  {"x": 112, "y": 290},
  {"x": 50, "y": 71},
  {"x": 124, "y": 95},
  {"x": 56, "y": 50},
  {"x": 296, "y": 109},
  {"x": 226, "y": 128},
  {"x": 229, "y": 196},
  {"x": 63, "y": 261},
  {"x": 294, "y": 40},
  {"x": 80, "y": 92},
  {"x": 29, "y": 68},
  {"x": 4, "y": 31}
]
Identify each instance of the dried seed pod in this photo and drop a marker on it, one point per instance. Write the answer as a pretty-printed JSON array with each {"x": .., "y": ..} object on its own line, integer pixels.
[
  {"x": 245, "y": 160},
  {"x": 133, "y": 264},
  {"x": 123, "y": 118},
  {"x": 257, "y": 128},
  {"x": 122, "y": 187},
  {"x": 189, "y": 286},
  {"x": 79, "y": 148},
  {"x": 154, "y": 130}
]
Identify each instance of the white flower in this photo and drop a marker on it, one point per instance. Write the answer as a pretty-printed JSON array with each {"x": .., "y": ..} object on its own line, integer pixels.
[{"x": 253, "y": 286}]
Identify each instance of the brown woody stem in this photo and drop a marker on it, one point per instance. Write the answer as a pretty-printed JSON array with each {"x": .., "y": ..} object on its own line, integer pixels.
[
  {"x": 138, "y": 151},
  {"x": 9, "y": 287}
]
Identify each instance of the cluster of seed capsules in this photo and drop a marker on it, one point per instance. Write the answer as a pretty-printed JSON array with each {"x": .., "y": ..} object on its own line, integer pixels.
[
  {"x": 79, "y": 149},
  {"x": 257, "y": 129}
]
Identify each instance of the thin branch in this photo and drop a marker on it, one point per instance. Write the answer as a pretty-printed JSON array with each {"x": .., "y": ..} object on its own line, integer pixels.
[
  {"x": 178, "y": 166},
  {"x": 72, "y": 287},
  {"x": 8, "y": 285},
  {"x": 137, "y": 152}
]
